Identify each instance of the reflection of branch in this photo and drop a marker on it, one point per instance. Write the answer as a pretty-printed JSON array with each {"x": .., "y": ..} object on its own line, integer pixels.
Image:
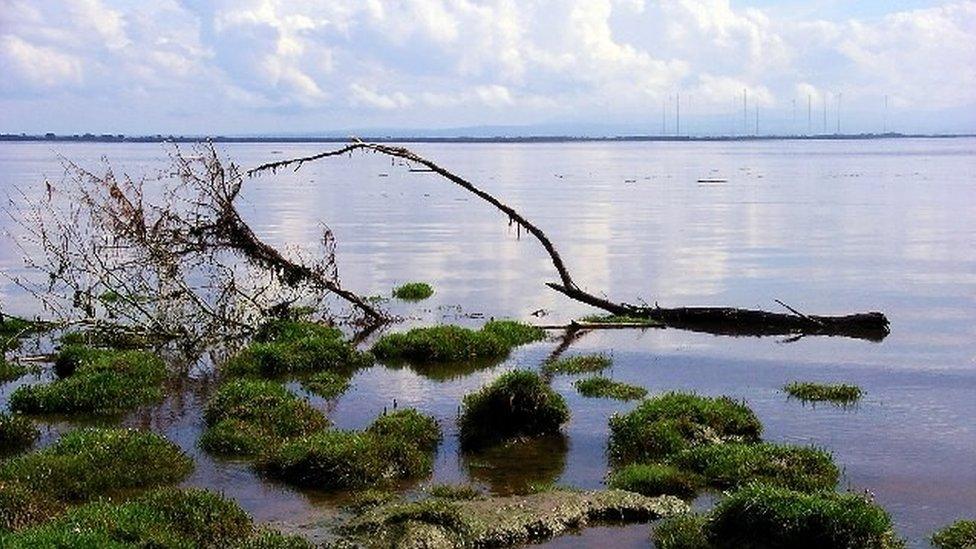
[{"x": 716, "y": 320}]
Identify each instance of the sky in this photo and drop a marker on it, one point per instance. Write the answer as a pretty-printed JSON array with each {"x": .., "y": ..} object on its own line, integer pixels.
[{"x": 242, "y": 67}]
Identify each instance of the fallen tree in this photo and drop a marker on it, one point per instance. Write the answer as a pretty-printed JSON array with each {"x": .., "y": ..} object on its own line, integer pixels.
[{"x": 715, "y": 320}]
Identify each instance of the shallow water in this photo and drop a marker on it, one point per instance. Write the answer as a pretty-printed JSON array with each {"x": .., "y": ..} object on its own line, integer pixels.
[{"x": 828, "y": 227}]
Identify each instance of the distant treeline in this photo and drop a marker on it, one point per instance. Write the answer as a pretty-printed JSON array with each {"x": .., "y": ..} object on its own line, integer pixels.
[{"x": 158, "y": 138}]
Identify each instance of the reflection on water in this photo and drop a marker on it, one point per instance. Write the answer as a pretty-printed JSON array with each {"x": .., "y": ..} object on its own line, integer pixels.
[
  {"x": 827, "y": 227},
  {"x": 519, "y": 467}
]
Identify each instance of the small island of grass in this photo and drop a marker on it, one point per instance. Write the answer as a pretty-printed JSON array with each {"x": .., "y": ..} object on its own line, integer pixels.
[
  {"x": 958, "y": 535},
  {"x": 577, "y": 364},
  {"x": 840, "y": 393},
  {"x": 602, "y": 387},
  {"x": 413, "y": 291}
]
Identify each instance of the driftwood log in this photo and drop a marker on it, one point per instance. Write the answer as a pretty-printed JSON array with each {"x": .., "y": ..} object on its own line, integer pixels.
[{"x": 714, "y": 320}]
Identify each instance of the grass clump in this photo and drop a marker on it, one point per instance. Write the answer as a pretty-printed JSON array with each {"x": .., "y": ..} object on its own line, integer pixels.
[
  {"x": 17, "y": 433},
  {"x": 817, "y": 392},
  {"x": 93, "y": 462},
  {"x": 107, "y": 338},
  {"x": 283, "y": 347},
  {"x": 10, "y": 371},
  {"x": 99, "y": 381},
  {"x": 516, "y": 405},
  {"x": 248, "y": 416},
  {"x": 655, "y": 479},
  {"x": 327, "y": 385},
  {"x": 413, "y": 291},
  {"x": 397, "y": 446},
  {"x": 685, "y": 531},
  {"x": 455, "y": 344},
  {"x": 578, "y": 364},
  {"x": 670, "y": 423},
  {"x": 602, "y": 387},
  {"x": 958, "y": 535},
  {"x": 731, "y": 465}
]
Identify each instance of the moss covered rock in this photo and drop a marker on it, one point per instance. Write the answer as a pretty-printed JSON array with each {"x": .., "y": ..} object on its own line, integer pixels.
[
  {"x": 100, "y": 381},
  {"x": 670, "y": 423},
  {"x": 517, "y": 404}
]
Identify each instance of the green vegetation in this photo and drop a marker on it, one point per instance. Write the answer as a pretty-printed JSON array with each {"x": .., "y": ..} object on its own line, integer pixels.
[
  {"x": 13, "y": 328},
  {"x": 667, "y": 424},
  {"x": 287, "y": 347},
  {"x": 655, "y": 479},
  {"x": 246, "y": 417},
  {"x": 732, "y": 465},
  {"x": 327, "y": 385},
  {"x": 10, "y": 371},
  {"x": 397, "y": 446},
  {"x": 413, "y": 291},
  {"x": 602, "y": 387},
  {"x": 517, "y": 404},
  {"x": 620, "y": 319},
  {"x": 107, "y": 337},
  {"x": 20, "y": 507},
  {"x": 685, "y": 531},
  {"x": 161, "y": 518},
  {"x": 93, "y": 462},
  {"x": 958, "y": 535},
  {"x": 454, "y": 343},
  {"x": 816, "y": 392},
  {"x": 502, "y": 521},
  {"x": 578, "y": 364},
  {"x": 17, "y": 433},
  {"x": 97, "y": 381},
  {"x": 459, "y": 492}
]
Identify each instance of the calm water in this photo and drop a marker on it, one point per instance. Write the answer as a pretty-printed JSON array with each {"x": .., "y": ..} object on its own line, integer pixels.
[{"x": 828, "y": 227}]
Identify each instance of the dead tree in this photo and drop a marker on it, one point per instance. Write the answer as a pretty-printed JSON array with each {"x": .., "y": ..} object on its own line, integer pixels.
[{"x": 715, "y": 320}]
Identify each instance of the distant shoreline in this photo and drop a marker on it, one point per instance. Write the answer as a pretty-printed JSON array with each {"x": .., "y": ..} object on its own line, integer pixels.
[{"x": 109, "y": 138}]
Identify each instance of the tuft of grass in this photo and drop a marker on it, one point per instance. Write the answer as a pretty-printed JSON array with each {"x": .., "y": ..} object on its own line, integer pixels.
[
  {"x": 88, "y": 463},
  {"x": 958, "y": 535},
  {"x": 96, "y": 381},
  {"x": 602, "y": 387},
  {"x": 620, "y": 319},
  {"x": 767, "y": 516},
  {"x": 328, "y": 385},
  {"x": 578, "y": 364},
  {"x": 439, "y": 344},
  {"x": 397, "y": 446},
  {"x": 21, "y": 507},
  {"x": 10, "y": 371},
  {"x": 108, "y": 338},
  {"x": 512, "y": 332},
  {"x": 248, "y": 416},
  {"x": 840, "y": 393},
  {"x": 284, "y": 347},
  {"x": 17, "y": 433},
  {"x": 686, "y": 531},
  {"x": 732, "y": 465},
  {"x": 667, "y": 424},
  {"x": 413, "y": 291},
  {"x": 458, "y": 492},
  {"x": 655, "y": 479},
  {"x": 517, "y": 404}
]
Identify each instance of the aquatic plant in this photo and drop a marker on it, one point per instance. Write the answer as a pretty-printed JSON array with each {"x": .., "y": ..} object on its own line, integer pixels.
[
  {"x": 21, "y": 507},
  {"x": 958, "y": 535},
  {"x": 88, "y": 463},
  {"x": 620, "y": 319},
  {"x": 455, "y": 344},
  {"x": 10, "y": 371},
  {"x": 602, "y": 387},
  {"x": 517, "y": 404},
  {"x": 285, "y": 347},
  {"x": 16, "y": 433},
  {"x": 327, "y": 385},
  {"x": 512, "y": 332},
  {"x": 248, "y": 416},
  {"x": 397, "y": 446},
  {"x": 577, "y": 364},
  {"x": 730, "y": 465},
  {"x": 413, "y": 291},
  {"x": 667, "y": 424},
  {"x": 655, "y": 479},
  {"x": 99, "y": 381},
  {"x": 685, "y": 531},
  {"x": 839, "y": 393}
]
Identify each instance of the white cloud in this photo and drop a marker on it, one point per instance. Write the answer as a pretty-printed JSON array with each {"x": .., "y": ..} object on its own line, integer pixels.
[{"x": 38, "y": 66}]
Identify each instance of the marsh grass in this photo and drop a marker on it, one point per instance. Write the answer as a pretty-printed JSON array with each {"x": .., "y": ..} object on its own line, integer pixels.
[
  {"x": 10, "y": 371},
  {"x": 289, "y": 347},
  {"x": 664, "y": 425},
  {"x": 686, "y": 531},
  {"x": 602, "y": 387},
  {"x": 518, "y": 404},
  {"x": 248, "y": 416},
  {"x": 732, "y": 465},
  {"x": 655, "y": 479},
  {"x": 958, "y": 535},
  {"x": 577, "y": 364},
  {"x": 88, "y": 463},
  {"x": 840, "y": 393},
  {"x": 395, "y": 447},
  {"x": 449, "y": 343},
  {"x": 17, "y": 433},
  {"x": 413, "y": 291},
  {"x": 328, "y": 385},
  {"x": 98, "y": 381},
  {"x": 107, "y": 338}
]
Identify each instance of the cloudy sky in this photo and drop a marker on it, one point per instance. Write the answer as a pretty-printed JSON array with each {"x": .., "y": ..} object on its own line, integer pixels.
[{"x": 282, "y": 67}]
